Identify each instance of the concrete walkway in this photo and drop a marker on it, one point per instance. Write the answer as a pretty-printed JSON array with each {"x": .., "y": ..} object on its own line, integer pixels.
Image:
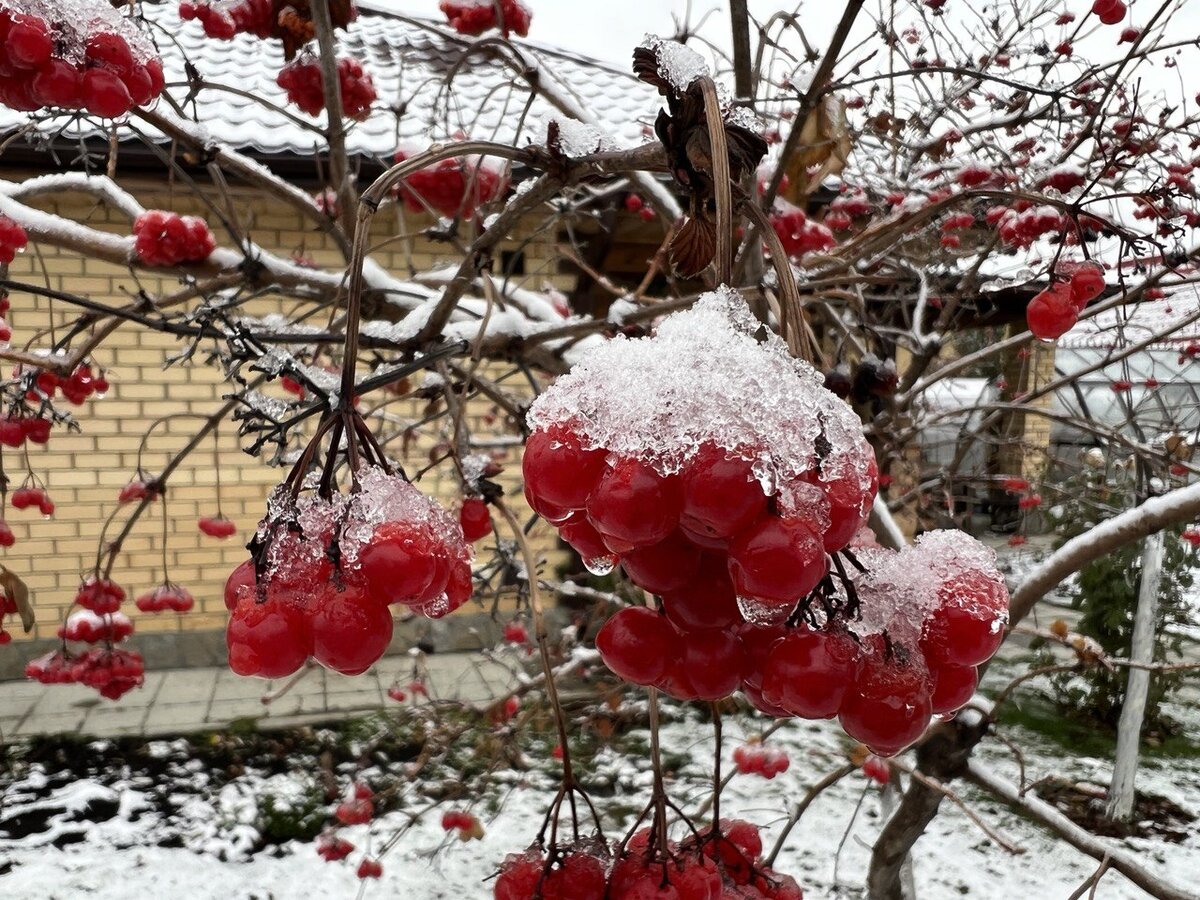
[{"x": 180, "y": 701}]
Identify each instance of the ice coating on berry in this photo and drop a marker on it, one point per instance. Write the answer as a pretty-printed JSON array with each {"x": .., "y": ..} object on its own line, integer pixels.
[
  {"x": 73, "y": 21},
  {"x": 641, "y": 398}
]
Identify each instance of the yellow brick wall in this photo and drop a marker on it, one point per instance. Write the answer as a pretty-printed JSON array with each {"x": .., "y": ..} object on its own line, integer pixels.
[{"x": 84, "y": 470}]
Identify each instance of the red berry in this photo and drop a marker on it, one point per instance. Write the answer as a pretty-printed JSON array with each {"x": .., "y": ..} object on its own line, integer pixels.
[
  {"x": 402, "y": 563},
  {"x": 111, "y": 50},
  {"x": 888, "y": 707},
  {"x": 350, "y": 630},
  {"x": 1110, "y": 12},
  {"x": 953, "y": 686},
  {"x": 270, "y": 639},
  {"x": 558, "y": 470},
  {"x": 578, "y": 876},
  {"x": 707, "y": 600},
  {"x": 520, "y": 875},
  {"x": 666, "y": 566},
  {"x": 633, "y": 506},
  {"x": 587, "y": 542},
  {"x": 104, "y": 94},
  {"x": 28, "y": 44},
  {"x": 515, "y": 633},
  {"x": 475, "y": 520},
  {"x": 709, "y": 666},
  {"x": 807, "y": 672},
  {"x": 967, "y": 627},
  {"x": 58, "y": 83},
  {"x": 1086, "y": 284},
  {"x": 217, "y": 526},
  {"x": 638, "y": 644},
  {"x": 776, "y": 562},
  {"x": 721, "y": 496}
]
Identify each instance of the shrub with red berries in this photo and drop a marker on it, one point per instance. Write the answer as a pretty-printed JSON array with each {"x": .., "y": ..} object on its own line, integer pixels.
[
  {"x": 452, "y": 187},
  {"x": 98, "y": 62},
  {"x": 304, "y": 84},
  {"x": 164, "y": 238},
  {"x": 474, "y": 17},
  {"x": 328, "y": 570}
]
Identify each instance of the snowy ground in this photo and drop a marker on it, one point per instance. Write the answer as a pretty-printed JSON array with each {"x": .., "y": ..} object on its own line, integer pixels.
[{"x": 214, "y": 829}]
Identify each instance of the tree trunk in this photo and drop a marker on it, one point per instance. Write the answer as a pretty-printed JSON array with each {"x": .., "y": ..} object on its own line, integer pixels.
[{"x": 1129, "y": 730}]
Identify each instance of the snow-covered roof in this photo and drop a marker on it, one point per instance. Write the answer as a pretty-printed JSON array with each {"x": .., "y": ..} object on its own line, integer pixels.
[
  {"x": 427, "y": 90},
  {"x": 1177, "y": 315}
]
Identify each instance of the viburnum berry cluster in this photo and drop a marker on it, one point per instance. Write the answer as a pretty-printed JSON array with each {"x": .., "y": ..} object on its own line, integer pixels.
[
  {"x": 327, "y": 567},
  {"x": 1054, "y": 311},
  {"x": 224, "y": 20},
  {"x": 452, "y": 187},
  {"x": 31, "y": 496},
  {"x": 797, "y": 232},
  {"x": 104, "y": 667},
  {"x": 13, "y": 240},
  {"x": 81, "y": 54},
  {"x": 163, "y": 238},
  {"x": 757, "y": 759},
  {"x": 304, "y": 84},
  {"x": 217, "y": 526},
  {"x": 474, "y": 17},
  {"x": 722, "y": 862},
  {"x": 43, "y": 385},
  {"x": 167, "y": 597},
  {"x": 733, "y": 499}
]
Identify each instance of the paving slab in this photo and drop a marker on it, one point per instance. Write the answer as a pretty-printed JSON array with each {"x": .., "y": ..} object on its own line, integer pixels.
[{"x": 58, "y": 723}]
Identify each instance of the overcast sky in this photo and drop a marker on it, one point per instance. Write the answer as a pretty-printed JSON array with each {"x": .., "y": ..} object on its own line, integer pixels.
[{"x": 610, "y": 29}]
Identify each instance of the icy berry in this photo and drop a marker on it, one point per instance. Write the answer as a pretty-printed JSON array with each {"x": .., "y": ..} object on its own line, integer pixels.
[
  {"x": 270, "y": 639},
  {"x": 633, "y": 506},
  {"x": 558, "y": 470},
  {"x": 350, "y": 631},
  {"x": 637, "y": 644},
  {"x": 721, "y": 496},
  {"x": 807, "y": 672},
  {"x": 888, "y": 706},
  {"x": 777, "y": 561},
  {"x": 217, "y": 526}
]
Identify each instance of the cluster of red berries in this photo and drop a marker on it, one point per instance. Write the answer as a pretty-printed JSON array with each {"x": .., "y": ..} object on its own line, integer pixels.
[
  {"x": 86, "y": 627},
  {"x": 452, "y": 187},
  {"x": 217, "y": 526},
  {"x": 112, "y": 673},
  {"x": 1110, "y": 12},
  {"x": 55, "y": 64},
  {"x": 8, "y": 607},
  {"x": 709, "y": 866},
  {"x": 224, "y": 20},
  {"x": 797, "y": 232},
  {"x": 13, "y": 240},
  {"x": 466, "y": 824},
  {"x": 16, "y": 431},
  {"x": 41, "y": 385},
  {"x": 304, "y": 84},
  {"x": 331, "y": 568},
  {"x": 474, "y": 17},
  {"x": 1054, "y": 311},
  {"x": 29, "y": 497},
  {"x": 166, "y": 597},
  {"x": 1021, "y": 227},
  {"x": 636, "y": 205},
  {"x": 167, "y": 239},
  {"x": 755, "y": 759}
]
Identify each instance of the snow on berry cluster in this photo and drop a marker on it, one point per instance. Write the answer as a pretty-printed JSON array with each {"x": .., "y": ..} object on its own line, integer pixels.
[
  {"x": 13, "y": 240},
  {"x": 164, "y": 238},
  {"x": 452, "y": 187},
  {"x": 1054, "y": 311},
  {"x": 703, "y": 867},
  {"x": 705, "y": 462},
  {"x": 304, "y": 84},
  {"x": 330, "y": 570},
  {"x": 474, "y": 17},
  {"x": 74, "y": 54},
  {"x": 223, "y": 20}
]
